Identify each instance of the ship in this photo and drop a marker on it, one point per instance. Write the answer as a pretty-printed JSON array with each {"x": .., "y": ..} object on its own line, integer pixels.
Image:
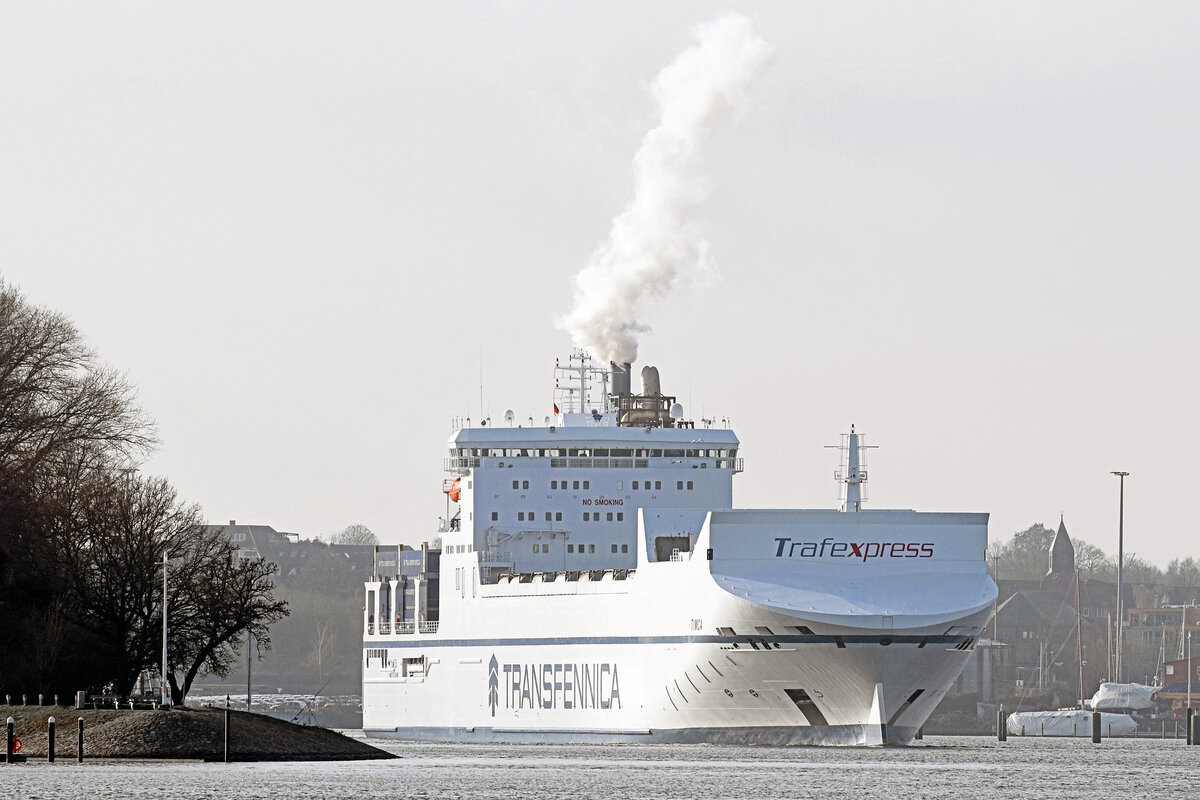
[{"x": 592, "y": 581}]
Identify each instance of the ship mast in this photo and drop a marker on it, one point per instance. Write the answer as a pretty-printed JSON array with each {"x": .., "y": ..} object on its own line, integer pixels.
[{"x": 852, "y": 472}]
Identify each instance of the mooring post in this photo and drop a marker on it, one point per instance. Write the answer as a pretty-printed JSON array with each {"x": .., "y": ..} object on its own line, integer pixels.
[
  {"x": 41, "y": 699},
  {"x": 79, "y": 744},
  {"x": 1196, "y": 729},
  {"x": 1095, "y": 727},
  {"x": 1187, "y": 726},
  {"x": 226, "y": 729},
  {"x": 8, "y": 752},
  {"x": 50, "y": 740},
  {"x": 1001, "y": 725}
]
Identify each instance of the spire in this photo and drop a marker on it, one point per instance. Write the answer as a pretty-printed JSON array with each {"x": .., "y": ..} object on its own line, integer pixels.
[{"x": 1062, "y": 553}]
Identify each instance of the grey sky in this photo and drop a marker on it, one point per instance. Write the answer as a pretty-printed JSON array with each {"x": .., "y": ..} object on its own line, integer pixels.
[{"x": 968, "y": 230}]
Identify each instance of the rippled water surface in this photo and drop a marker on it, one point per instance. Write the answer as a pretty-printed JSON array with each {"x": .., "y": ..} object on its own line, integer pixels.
[{"x": 939, "y": 767}]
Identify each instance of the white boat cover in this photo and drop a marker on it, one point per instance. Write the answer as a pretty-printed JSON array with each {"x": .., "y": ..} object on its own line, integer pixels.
[
  {"x": 1112, "y": 696},
  {"x": 1075, "y": 722}
]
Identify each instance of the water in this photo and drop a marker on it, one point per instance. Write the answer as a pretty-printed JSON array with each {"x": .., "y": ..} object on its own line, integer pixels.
[{"x": 939, "y": 768}]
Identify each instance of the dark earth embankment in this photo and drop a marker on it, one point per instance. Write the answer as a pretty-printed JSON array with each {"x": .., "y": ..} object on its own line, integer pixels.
[{"x": 187, "y": 733}]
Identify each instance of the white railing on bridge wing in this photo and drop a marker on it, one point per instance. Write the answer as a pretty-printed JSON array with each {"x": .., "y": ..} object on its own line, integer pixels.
[{"x": 460, "y": 465}]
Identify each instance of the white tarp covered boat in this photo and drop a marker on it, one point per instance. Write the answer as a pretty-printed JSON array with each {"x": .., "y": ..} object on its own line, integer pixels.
[
  {"x": 1072, "y": 722},
  {"x": 1114, "y": 696}
]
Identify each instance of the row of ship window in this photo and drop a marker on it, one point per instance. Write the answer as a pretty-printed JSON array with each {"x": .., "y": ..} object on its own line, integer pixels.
[
  {"x": 591, "y": 548},
  {"x": 588, "y": 516},
  {"x": 562, "y": 485},
  {"x": 588, "y": 452}
]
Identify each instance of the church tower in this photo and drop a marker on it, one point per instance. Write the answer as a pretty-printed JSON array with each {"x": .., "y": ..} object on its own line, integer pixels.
[{"x": 1062, "y": 560}]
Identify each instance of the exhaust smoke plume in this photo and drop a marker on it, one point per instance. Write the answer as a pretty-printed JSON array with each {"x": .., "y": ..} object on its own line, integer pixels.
[{"x": 656, "y": 244}]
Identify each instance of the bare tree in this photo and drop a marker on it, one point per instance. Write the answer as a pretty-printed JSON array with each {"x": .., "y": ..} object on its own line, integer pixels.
[
  {"x": 55, "y": 396},
  {"x": 1025, "y": 556},
  {"x": 324, "y": 636},
  {"x": 354, "y": 534},
  {"x": 215, "y": 599}
]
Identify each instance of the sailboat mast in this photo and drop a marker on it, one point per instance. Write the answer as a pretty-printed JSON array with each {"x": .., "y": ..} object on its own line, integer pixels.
[{"x": 1079, "y": 637}]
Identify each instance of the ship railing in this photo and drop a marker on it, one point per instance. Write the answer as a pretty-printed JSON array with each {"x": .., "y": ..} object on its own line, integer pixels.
[
  {"x": 460, "y": 465},
  {"x": 676, "y": 555},
  {"x": 385, "y": 628},
  {"x": 429, "y": 627},
  {"x": 406, "y": 627}
]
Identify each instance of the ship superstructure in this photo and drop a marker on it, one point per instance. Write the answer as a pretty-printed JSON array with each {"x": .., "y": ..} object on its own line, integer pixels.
[{"x": 592, "y": 581}]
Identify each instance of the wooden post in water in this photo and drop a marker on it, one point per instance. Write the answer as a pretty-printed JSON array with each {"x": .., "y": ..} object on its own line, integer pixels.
[
  {"x": 1001, "y": 725},
  {"x": 50, "y": 740},
  {"x": 79, "y": 743},
  {"x": 8, "y": 752},
  {"x": 1095, "y": 727},
  {"x": 1196, "y": 729},
  {"x": 226, "y": 729}
]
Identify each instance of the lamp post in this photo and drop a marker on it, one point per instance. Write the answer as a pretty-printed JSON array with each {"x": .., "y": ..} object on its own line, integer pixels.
[
  {"x": 1120, "y": 569},
  {"x": 166, "y": 692},
  {"x": 1189, "y": 668}
]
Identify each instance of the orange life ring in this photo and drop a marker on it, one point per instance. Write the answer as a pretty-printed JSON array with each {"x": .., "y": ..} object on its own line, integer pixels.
[{"x": 16, "y": 745}]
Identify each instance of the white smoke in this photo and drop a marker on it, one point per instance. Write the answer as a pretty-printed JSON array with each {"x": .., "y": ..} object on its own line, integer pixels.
[{"x": 656, "y": 244}]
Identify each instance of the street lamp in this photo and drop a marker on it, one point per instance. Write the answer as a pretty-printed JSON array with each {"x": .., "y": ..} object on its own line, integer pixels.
[
  {"x": 1120, "y": 568},
  {"x": 166, "y": 692}
]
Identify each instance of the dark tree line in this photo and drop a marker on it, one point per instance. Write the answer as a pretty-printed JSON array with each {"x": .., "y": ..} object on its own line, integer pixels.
[
  {"x": 83, "y": 533},
  {"x": 1025, "y": 557}
]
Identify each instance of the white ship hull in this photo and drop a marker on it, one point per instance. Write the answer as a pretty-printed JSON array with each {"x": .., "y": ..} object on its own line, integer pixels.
[{"x": 765, "y": 643}]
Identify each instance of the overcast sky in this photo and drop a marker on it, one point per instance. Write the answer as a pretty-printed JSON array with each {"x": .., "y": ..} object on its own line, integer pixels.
[{"x": 305, "y": 231}]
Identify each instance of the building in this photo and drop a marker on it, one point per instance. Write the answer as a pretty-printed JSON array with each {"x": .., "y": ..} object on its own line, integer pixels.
[
  {"x": 332, "y": 568},
  {"x": 1039, "y": 622}
]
